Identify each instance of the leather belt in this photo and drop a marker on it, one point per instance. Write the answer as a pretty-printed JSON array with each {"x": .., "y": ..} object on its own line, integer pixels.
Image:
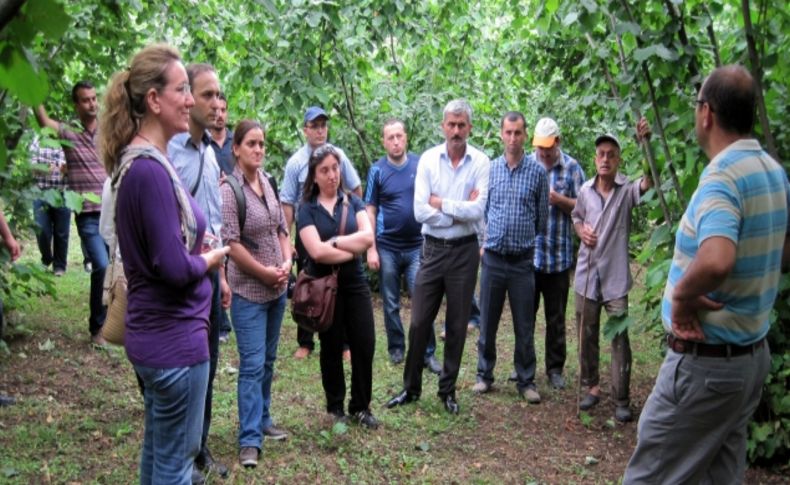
[
  {"x": 711, "y": 350},
  {"x": 450, "y": 243}
]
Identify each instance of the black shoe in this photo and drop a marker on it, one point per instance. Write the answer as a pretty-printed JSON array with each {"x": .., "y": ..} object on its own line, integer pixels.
[
  {"x": 403, "y": 397},
  {"x": 433, "y": 365},
  {"x": 338, "y": 415},
  {"x": 556, "y": 380},
  {"x": 6, "y": 400},
  {"x": 450, "y": 404},
  {"x": 197, "y": 477},
  {"x": 205, "y": 463},
  {"x": 588, "y": 401},
  {"x": 366, "y": 419},
  {"x": 396, "y": 356},
  {"x": 623, "y": 414}
]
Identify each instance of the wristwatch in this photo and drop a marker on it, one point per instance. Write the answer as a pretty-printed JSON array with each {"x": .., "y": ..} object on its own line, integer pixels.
[{"x": 334, "y": 242}]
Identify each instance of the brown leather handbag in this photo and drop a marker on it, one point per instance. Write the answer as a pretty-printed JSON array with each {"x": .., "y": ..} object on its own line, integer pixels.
[{"x": 313, "y": 300}]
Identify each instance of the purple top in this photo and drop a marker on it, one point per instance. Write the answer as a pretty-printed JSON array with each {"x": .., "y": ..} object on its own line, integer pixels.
[{"x": 169, "y": 291}]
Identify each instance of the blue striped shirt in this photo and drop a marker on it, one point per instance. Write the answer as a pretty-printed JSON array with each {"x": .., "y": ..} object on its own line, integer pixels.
[
  {"x": 517, "y": 206},
  {"x": 554, "y": 250},
  {"x": 743, "y": 195}
]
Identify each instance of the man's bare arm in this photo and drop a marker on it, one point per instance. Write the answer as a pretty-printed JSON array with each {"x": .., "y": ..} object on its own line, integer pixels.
[{"x": 44, "y": 120}]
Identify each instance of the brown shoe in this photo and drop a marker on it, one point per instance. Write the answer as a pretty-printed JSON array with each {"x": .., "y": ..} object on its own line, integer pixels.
[
  {"x": 98, "y": 340},
  {"x": 301, "y": 353},
  {"x": 248, "y": 457}
]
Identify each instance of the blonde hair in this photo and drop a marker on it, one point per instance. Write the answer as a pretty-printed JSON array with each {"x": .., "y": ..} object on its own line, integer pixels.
[{"x": 124, "y": 102}]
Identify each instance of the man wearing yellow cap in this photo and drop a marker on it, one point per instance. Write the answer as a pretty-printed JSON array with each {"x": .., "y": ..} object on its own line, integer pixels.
[{"x": 554, "y": 249}]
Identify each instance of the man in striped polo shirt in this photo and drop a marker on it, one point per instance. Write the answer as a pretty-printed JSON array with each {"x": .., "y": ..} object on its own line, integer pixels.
[
  {"x": 730, "y": 247},
  {"x": 86, "y": 176}
]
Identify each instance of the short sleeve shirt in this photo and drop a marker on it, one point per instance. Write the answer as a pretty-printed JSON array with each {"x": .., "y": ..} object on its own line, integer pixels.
[
  {"x": 610, "y": 276},
  {"x": 263, "y": 223},
  {"x": 296, "y": 173},
  {"x": 327, "y": 225},
  {"x": 86, "y": 174}
]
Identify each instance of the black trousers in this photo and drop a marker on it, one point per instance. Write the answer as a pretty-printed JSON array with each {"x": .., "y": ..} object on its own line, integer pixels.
[
  {"x": 353, "y": 319},
  {"x": 449, "y": 271},
  {"x": 554, "y": 288}
]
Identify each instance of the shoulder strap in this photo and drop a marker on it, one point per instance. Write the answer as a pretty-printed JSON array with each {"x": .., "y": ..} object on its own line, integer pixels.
[
  {"x": 343, "y": 215},
  {"x": 273, "y": 183},
  {"x": 241, "y": 200},
  {"x": 194, "y": 189}
]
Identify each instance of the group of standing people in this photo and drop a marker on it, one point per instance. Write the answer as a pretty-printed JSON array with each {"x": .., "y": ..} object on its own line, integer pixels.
[{"x": 182, "y": 201}]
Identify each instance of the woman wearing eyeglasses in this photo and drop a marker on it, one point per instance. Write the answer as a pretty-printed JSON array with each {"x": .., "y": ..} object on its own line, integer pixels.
[{"x": 160, "y": 232}]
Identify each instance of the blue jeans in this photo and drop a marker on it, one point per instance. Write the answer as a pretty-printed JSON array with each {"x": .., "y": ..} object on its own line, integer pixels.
[
  {"x": 53, "y": 233},
  {"x": 257, "y": 327},
  {"x": 515, "y": 277},
  {"x": 394, "y": 265},
  {"x": 88, "y": 229},
  {"x": 174, "y": 400}
]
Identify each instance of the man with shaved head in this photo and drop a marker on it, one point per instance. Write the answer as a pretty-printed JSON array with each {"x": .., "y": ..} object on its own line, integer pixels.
[{"x": 730, "y": 248}]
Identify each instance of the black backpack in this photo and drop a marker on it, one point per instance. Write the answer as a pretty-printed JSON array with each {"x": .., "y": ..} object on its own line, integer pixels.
[{"x": 241, "y": 204}]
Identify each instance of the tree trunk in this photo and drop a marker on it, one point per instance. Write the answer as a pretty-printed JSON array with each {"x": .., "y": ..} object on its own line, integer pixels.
[{"x": 757, "y": 74}]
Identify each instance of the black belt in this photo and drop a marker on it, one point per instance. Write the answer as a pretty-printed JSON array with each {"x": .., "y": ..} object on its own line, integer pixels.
[
  {"x": 711, "y": 350},
  {"x": 450, "y": 243},
  {"x": 514, "y": 258}
]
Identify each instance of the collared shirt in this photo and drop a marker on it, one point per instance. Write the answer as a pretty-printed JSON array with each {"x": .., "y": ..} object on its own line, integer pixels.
[
  {"x": 610, "y": 276},
  {"x": 743, "y": 195},
  {"x": 554, "y": 249},
  {"x": 50, "y": 159},
  {"x": 86, "y": 174},
  {"x": 390, "y": 189},
  {"x": 262, "y": 225},
  {"x": 516, "y": 208},
  {"x": 436, "y": 175},
  {"x": 185, "y": 157},
  {"x": 296, "y": 173},
  {"x": 223, "y": 153}
]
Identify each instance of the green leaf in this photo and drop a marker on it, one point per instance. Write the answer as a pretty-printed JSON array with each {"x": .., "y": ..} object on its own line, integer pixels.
[
  {"x": 664, "y": 53},
  {"x": 73, "y": 200},
  {"x": 644, "y": 53},
  {"x": 268, "y": 5},
  {"x": 630, "y": 27},
  {"x": 570, "y": 18},
  {"x": 616, "y": 325},
  {"x": 20, "y": 75},
  {"x": 49, "y": 17}
]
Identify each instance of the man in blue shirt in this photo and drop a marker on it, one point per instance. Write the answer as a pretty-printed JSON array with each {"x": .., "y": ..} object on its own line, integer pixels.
[
  {"x": 450, "y": 191},
  {"x": 196, "y": 165},
  {"x": 554, "y": 249},
  {"x": 515, "y": 213},
  {"x": 316, "y": 133},
  {"x": 221, "y": 142},
  {"x": 396, "y": 250},
  {"x": 730, "y": 247}
]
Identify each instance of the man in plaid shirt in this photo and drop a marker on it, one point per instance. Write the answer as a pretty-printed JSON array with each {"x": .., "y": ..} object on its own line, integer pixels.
[{"x": 53, "y": 221}]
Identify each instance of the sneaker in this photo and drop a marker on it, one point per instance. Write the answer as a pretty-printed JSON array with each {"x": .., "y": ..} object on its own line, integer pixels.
[
  {"x": 59, "y": 272},
  {"x": 88, "y": 267},
  {"x": 301, "y": 353},
  {"x": 481, "y": 387},
  {"x": 531, "y": 395},
  {"x": 366, "y": 419},
  {"x": 337, "y": 415},
  {"x": 274, "y": 433},
  {"x": 513, "y": 377},
  {"x": 248, "y": 457},
  {"x": 556, "y": 380},
  {"x": 623, "y": 414}
]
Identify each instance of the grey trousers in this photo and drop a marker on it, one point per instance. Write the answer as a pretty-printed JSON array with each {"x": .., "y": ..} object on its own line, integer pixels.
[
  {"x": 590, "y": 347},
  {"x": 693, "y": 426}
]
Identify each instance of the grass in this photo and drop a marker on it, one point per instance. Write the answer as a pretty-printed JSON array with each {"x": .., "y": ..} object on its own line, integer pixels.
[{"x": 79, "y": 415}]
